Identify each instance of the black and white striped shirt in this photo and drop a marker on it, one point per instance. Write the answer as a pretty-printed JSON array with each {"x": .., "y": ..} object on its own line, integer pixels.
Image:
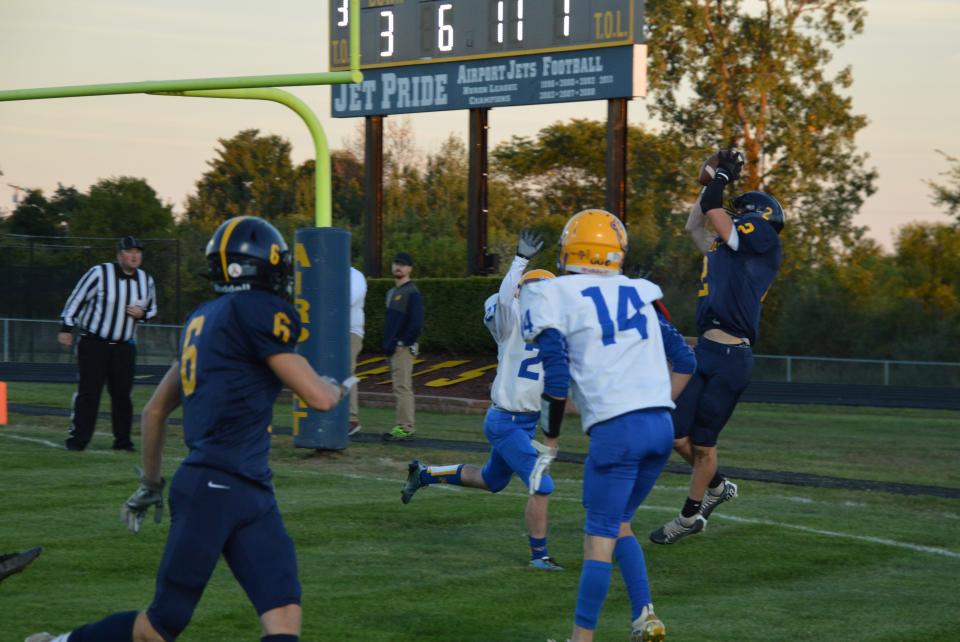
[{"x": 98, "y": 304}]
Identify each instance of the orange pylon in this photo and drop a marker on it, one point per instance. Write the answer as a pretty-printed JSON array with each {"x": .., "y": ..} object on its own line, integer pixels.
[{"x": 3, "y": 403}]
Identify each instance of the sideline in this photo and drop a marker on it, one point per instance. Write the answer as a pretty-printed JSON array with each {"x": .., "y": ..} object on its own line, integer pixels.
[{"x": 747, "y": 474}]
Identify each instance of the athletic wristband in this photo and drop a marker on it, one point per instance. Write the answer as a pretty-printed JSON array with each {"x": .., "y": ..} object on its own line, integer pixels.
[
  {"x": 712, "y": 197},
  {"x": 554, "y": 411}
]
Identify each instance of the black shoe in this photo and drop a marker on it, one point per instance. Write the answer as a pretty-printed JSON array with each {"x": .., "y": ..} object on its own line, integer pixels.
[
  {"x": 126, "y": 448},
  {"x": 69, "y": 445},
  {"x": 16, "y": 562}
]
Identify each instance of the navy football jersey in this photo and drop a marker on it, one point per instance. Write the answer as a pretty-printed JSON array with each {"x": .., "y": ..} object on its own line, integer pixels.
[
  {"x": 733, "y": 283},
  {"x": 228, "y": 389}
]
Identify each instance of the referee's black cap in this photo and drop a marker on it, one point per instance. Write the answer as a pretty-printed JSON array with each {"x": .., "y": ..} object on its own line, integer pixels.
[{"x": 128, "y": 242}]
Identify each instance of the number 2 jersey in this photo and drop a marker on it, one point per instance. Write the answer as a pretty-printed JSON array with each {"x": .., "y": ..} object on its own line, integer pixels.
[
  {"x": 734, "y": 282},
  {"x": 227, "y": 387},
  {"x": 617, "y": 345},
  {"x": 519, "y": 381}
]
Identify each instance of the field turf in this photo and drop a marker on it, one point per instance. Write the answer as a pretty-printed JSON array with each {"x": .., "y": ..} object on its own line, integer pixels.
[{"x": 782, "y": 562}]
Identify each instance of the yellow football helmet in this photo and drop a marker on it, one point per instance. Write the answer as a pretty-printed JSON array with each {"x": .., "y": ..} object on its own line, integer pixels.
[
  {"x": 593, "y": 242},
  {"x": 535, "y": 275}
]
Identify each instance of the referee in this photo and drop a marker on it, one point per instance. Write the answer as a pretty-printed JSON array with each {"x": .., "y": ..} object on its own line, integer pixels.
[{"x": 105, "y": 307}]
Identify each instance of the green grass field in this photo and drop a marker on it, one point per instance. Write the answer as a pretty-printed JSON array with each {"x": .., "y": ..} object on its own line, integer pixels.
[{"x": 783, "y": 562}]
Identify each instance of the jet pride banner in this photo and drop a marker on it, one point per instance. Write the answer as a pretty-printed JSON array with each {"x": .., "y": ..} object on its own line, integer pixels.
[{"x": 593, "y": 74}]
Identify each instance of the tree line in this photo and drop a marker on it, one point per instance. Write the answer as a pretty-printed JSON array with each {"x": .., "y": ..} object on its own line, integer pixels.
[{"x": 719, "y": 76}]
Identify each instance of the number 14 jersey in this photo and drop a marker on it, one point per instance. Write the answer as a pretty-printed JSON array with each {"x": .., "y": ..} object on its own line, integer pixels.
[{"x": 614, "y": 344}]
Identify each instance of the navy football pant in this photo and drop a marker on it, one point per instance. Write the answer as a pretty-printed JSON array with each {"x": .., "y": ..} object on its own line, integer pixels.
[
  {"x": 705, "y": 405},
  {"x": 214, "y": 513}
]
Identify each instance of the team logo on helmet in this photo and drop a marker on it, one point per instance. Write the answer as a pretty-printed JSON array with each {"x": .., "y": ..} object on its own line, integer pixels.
[
  {"x": 247, "y": 252},
  {"x": 593, "y": 241}
]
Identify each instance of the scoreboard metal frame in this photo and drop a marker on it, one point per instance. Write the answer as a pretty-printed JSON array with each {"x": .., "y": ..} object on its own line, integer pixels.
[{"x": 415, "y": 32}]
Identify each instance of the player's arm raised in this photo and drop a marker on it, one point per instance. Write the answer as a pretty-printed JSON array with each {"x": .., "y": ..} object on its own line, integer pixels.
[
  {"x": 711, "y": 199},
  {"x": 318, "y": 392}
]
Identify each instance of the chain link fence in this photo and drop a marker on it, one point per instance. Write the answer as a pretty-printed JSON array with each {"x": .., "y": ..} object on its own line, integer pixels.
[{"x": 32, "y": 341}]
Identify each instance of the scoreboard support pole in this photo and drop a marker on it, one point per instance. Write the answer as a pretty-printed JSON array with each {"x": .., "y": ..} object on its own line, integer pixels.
[
  {"x": 478, "y": 261},
  {"x": 373, "y": 197},
  {"x": 617, "y": 158}
]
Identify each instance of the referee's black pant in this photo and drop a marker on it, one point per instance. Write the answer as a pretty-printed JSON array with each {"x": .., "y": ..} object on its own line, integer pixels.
[{"x": 102, "y": 362}]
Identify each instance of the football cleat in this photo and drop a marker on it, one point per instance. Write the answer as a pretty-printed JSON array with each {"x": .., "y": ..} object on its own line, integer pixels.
[
  {"x": 399, "y": 433},
  {"x": 16, "y": 562},
  {"x": 353, "y": 428},
  {"x": 46, "y": 637},
  {"x": 413, "y": 480},
  {"x": 648, "y": 627},
  {"x": 545, "y": 563},
  {"x": 677, "y": 529},
  {"x": 711, "y": 501}
]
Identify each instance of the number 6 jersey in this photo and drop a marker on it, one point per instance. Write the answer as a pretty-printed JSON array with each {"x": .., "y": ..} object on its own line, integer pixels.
[
  {"x": 613, "y": 337},
  {"x": 227, "y": 387}
]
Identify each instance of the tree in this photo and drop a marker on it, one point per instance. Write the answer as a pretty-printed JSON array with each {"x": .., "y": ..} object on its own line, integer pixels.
[
  {"x": 37, "y": 216},
  {"x": 948, "y": 195},
  {"x": 116, "y": 207},
  {"x": 721, "y": 76},
  {"x": 251, "y": 175}
]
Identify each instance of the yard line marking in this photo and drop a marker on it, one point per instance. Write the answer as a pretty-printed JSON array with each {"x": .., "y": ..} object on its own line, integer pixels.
[
  {"x": 863, "y": 538},
  {"x": 50, "y": 444},
  {"x": 918, "y": 548}
]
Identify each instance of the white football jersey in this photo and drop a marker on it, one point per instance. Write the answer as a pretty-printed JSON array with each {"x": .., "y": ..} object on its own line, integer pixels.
[
  {"x": 615, "y": 349},
  {"x": 519, "y": 381}
]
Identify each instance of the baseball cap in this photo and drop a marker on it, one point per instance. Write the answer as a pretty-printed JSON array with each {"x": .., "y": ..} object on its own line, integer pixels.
[
  {"x": 128, "y": 242},
  {"x": 403, "y": 259}
]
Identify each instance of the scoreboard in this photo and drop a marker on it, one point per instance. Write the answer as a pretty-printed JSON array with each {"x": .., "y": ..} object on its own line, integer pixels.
[
  {"x": 431, "y": 55},
  {"x": 410, "y": 32}
]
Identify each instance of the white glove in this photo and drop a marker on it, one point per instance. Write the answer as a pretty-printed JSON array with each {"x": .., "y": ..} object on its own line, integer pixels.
[
  {"x": 542, "y": 465},
  {"x": 135, "y": 509}
]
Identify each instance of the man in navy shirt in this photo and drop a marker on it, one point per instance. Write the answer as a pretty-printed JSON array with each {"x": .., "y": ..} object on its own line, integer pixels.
[
  {"x": 402, "y": 324},
  {"x": 237, "y": 351},
  {"x": 738, "y": 267}
]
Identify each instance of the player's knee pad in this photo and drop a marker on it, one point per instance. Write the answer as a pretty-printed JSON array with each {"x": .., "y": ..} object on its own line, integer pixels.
[
  {"x": 546, "y": 485},
  {"x": 495, "y": 482}
]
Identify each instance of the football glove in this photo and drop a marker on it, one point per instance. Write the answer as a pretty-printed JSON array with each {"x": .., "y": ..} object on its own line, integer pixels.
[
  {"x": 148, "y": 494},
  {"x": 545, "y": 457},
  {"x": 529, "y": 244},
  {"x": 729, "y": 164}
]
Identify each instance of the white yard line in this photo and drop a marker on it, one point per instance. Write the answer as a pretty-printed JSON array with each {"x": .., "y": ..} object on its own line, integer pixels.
[{"x": 870, "y": 539}]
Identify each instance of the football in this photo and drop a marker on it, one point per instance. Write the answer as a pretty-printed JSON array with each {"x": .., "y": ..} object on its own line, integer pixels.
[{"x": 708, "y": 169}]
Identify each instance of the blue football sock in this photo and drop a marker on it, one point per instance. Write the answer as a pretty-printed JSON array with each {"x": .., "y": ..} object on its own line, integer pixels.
[
  {"x": 280, "y": 637},
  {"x": 117, "y": 627},
  {"x": 594, "y": 584},
  {"x": 633, "y": 569},
  {"x": 538, "y": 548},
  {"x": 442, "y": 475}
]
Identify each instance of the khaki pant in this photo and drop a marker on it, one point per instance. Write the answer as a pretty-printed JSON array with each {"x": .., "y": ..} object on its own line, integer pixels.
[
  {"x": 356, "y": 344},
  {"x": 401, "y": 373}
]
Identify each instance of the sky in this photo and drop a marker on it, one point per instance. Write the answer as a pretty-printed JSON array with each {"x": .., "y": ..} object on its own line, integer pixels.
[{"x": 904, "y": 67}]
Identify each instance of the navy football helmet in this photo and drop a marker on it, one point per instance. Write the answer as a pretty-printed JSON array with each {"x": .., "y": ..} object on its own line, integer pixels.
[
  {"x": 247, "y": 252},
  {"x": 759, "y": 205}
]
